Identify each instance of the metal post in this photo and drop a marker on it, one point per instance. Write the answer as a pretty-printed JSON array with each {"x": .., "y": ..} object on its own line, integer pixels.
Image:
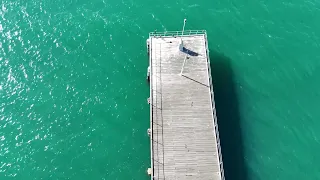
[
  {"x": 184, "y": 24},
  {"x": 181, "y": 46},
  {"x": 181, "y": 43}
]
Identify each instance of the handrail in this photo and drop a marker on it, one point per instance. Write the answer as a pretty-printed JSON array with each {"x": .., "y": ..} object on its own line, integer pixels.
[
  {"x": 177, "y": 33},
  {"x": 151, "y": 107},
  {"x": 214, "y": 113},
  {"x": 156, "y": 114}
]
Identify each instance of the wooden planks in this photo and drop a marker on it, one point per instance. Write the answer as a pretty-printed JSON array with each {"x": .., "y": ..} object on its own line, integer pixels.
[{"x": 184, "y": 142}]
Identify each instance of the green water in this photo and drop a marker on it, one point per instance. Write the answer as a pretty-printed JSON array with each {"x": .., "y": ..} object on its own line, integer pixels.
[{"x": 73, "y": 95}]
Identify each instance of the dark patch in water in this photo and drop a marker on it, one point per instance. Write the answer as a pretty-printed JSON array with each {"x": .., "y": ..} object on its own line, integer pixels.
[{"x": 227, "y": 106}]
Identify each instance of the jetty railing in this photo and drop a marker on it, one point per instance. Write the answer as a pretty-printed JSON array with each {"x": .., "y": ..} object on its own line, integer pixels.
[
  {"x": 215, "y": 123},
  {"x": 157, "y": 144},
  {"x": 177, "y": 33}
]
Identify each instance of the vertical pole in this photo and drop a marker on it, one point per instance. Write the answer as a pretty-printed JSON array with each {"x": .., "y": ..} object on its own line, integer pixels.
[
  {"x": 184, "y": 24},
  {"x": 181, "y": 46},
  {"x": 181, "y": 43}
]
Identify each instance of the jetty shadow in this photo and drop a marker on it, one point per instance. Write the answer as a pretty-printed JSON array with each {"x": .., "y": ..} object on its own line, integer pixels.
[{"x": 228, "y": 115}]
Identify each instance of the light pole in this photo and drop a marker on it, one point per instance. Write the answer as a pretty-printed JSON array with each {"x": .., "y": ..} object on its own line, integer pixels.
[
  {"x": 181, "y": 46},
  {"x": 181, "y": 43},
  {"x": 184, "y": 24}
]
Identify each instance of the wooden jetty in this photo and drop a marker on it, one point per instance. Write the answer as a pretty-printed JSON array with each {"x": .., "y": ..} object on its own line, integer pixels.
[{"x": 184, "y": 134}]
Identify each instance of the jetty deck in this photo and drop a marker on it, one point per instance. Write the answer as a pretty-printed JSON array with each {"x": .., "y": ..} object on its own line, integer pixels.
[{"x": 184, "y": 135}]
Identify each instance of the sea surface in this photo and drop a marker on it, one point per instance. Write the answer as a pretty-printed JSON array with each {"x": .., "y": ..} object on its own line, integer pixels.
[{"x": 73, "y": 91}]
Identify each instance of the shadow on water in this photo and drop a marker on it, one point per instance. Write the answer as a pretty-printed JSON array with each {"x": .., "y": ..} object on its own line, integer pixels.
[{"x": 228, "y": 115}]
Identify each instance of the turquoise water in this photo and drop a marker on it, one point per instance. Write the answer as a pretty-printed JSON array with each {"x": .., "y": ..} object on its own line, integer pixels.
[{"x": 74, "y": 96}]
